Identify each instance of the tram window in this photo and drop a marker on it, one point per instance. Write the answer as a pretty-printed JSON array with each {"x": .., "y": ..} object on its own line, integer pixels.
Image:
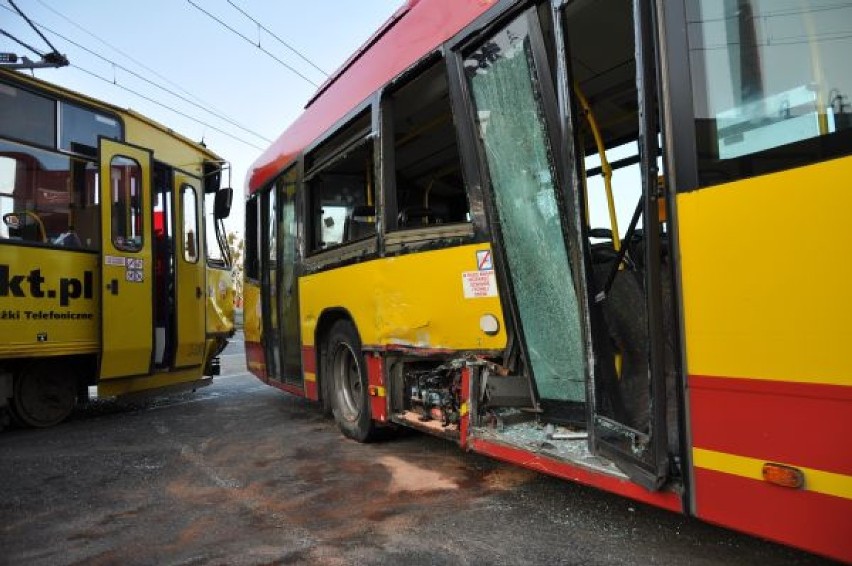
[
  {"x": 771, "y": 84},
  {"x": 189, "y": 204},
  {"x": 215, "y": 255},
  {"x": 126, "y": 189},
  {"x": 429, "y": 187},
  {"x": 80, "y": 128},
  {"x": 52, "y": 197},
  {"x": 27, "y": 116}
]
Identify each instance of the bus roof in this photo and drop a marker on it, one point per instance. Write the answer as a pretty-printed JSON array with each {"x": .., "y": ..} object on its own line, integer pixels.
[
  {"x": 63, "y": 92},
  {"x": 413, "y": 32}
]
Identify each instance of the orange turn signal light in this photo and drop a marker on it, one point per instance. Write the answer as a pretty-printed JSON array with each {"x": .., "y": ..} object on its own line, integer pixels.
[{"x": 785, "y": 476}]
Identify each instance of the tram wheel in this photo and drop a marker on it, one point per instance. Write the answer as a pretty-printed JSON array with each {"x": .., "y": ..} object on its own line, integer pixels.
[
  {"x": 350, "y": 401},
  {"x": 43, "y": 396}
]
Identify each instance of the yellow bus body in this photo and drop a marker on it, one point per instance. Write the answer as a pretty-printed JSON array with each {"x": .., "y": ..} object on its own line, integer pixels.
[{"x": 416, "y": 301}]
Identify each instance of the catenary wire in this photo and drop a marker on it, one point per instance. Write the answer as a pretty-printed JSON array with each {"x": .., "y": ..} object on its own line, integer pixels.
[
  {"x": 152, "y": 83},
  {"x": 128, "y": 56},
  {"x": 167, "y": 107},
  {"x": 292, "y": 69},
  {"x": 281, "y": 41}
]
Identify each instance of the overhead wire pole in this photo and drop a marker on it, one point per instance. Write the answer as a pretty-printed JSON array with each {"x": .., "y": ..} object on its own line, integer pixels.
[
  {"x": 281, "y": 41},
  {"x": 152, "y": 83},
  {"x": 223, "y": 24},
  {"x": 21, "y": 43},
  {"x": 54, "y": 57}
]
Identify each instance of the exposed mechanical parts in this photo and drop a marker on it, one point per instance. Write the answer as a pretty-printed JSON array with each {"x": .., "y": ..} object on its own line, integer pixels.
[{"x": 436, "y": 393}]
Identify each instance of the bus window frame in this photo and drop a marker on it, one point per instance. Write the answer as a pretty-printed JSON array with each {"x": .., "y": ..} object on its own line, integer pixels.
[
  {"x": 316, "y": 258},
  {"x": 252, "y": 240},
  {"x": 475, "y": 161},
  {"x": 434, "y": 60}
]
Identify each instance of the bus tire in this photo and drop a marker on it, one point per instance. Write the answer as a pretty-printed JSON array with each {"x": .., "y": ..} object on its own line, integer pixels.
[
  {"x": 43, "y": 395},
  {"x": 347, "y": 375}
]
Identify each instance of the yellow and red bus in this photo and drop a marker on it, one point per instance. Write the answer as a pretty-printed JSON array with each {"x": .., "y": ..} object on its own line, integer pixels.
[
  {"x": 113, "y": 269},
  {"x": 603, "y": 240}
]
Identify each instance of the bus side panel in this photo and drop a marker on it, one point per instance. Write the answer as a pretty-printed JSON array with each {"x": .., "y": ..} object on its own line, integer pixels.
[
  {"x": 48, "y": 302},
  {"x": 252, "y": 324},
  {"x": 793, "y": 426},
  {"x": 431, "y": 300},
  {"x": 766, "y": 318}
]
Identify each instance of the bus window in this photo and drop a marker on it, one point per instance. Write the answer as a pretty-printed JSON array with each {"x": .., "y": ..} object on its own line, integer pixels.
[
  {"x": 126, "y": 184},
  {"x": 512, "y": 127},
  {"x": 429, "y": 188},
  {"x": 190, "y": 223},
  {"x": 767, "y": 86},
  {"x": 342, "y": 190},
  {"x": 52, "y": 194},
  {"x": 252, "y": 260}
]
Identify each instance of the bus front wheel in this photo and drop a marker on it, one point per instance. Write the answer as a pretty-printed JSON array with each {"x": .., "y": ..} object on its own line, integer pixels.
[
  {"x": 350, "y": 401},
  {"x": 43, "y": 395}
]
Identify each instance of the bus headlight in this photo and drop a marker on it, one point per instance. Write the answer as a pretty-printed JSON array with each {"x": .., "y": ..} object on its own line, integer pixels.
[{"x": 489, "y": 324}]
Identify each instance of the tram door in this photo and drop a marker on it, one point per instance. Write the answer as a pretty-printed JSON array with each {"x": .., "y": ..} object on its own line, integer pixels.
[{"x": 126, "y": 260}]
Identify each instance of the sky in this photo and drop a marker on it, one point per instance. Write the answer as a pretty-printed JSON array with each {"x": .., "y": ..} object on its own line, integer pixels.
[{"x": 175, "y": 45}]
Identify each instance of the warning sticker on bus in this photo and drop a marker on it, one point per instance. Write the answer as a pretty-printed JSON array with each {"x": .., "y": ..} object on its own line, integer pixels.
[{"x": 477, "y": 284}]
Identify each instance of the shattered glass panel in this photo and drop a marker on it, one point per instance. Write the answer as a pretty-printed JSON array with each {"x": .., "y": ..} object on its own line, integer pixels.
[{"x": 513, "y": 133}]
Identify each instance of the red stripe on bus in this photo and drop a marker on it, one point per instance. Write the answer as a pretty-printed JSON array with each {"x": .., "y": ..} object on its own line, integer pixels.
[
  {"x": 794, "y": 423},
  {"x": 664, "y": 499},
  {"x": 311, "y": 390},
  {"x": 376, "y": 381},
  {"x": 309, "y": 359},
  {"x": 294, "y": 389},
  {"x": 809, "y": 520},
  {"x": 255, "y": 360}
]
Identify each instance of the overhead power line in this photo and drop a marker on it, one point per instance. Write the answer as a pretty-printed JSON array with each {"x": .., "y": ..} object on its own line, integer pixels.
[
  {"x": 127, "y": 55},
  {"x": 223, "y": 24},
  {"x": 281, "y": 41},
  {"x": 152, "y": 83},
  {"x": 167, "y": 107}
]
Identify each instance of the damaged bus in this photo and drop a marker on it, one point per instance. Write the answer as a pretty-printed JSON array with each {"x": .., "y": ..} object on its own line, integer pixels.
[
  {"x": 603, "y": 240},
  {"x": 114, "y": 272}
]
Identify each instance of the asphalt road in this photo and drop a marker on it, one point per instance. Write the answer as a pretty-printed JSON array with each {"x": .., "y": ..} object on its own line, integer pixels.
[{"x": 241, "y": 473}]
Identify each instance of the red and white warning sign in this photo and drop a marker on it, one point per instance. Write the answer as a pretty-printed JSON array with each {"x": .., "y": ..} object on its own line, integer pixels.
[
  {"x": 478, "y": 284},
  {"x": 483, "y": 260}
]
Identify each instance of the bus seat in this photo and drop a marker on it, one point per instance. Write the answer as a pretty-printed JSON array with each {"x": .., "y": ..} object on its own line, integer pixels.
[
  {"x": 25, "y": 225},
  {"x": 360, "y": 223}
]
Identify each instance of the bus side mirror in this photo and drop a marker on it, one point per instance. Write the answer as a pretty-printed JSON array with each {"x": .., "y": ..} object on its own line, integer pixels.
[{"x": 222, "y": 203}]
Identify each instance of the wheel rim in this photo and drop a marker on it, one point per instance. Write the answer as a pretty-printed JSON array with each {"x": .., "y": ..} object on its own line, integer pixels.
[
  {"x": 347, "y": 378},
  {"x": 44, "y": 399}
]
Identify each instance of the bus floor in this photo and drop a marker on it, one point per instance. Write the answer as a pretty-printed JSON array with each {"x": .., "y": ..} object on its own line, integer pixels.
[{"x": 546, "y": 440}]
